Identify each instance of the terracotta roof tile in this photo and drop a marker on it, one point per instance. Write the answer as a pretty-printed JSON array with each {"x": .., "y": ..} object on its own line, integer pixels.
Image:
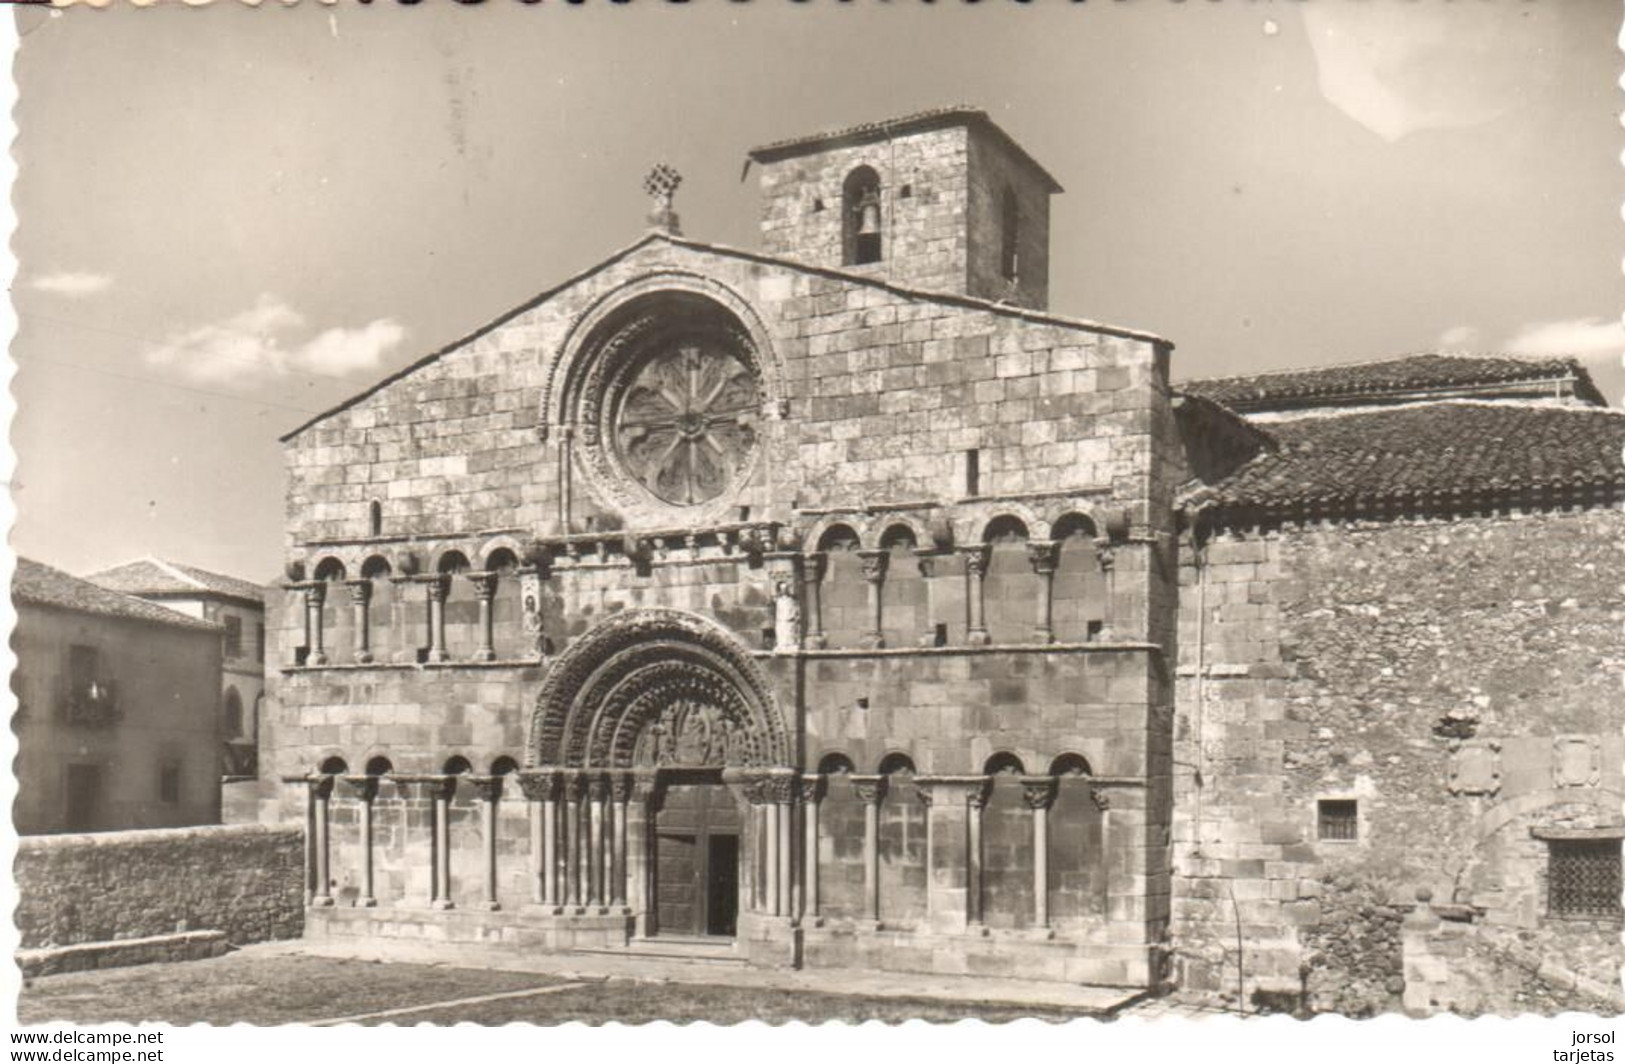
[
  {"x": 1453, "y": 446},
  {"x": 1387, "y": 378},
  {"x": 41, "y": 585},
  {"x": 154, "y": 576}
]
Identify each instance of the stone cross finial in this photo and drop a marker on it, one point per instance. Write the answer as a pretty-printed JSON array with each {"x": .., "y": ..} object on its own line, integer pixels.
[{"x": 661, "y": 185}]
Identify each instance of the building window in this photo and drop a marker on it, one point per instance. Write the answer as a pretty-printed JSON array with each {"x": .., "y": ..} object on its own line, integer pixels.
[
  {"x": 231, "y": 644},
  {"x": 82, "y": 810},
  {"x": 169, "y": 783},
  {"x": 1339, "y": 819},
  {"x": 82, "y": 666},
  {"x": 1583, "y": 877},
  {"x": 233, "y": 713},
  {"x": 1009, "y": 227},
  {"x": 375, "y": 518},
  {"x": 259, "y": 642},
  {"x": 973, "y": 473},
  {"x": 860, "y": 217}
]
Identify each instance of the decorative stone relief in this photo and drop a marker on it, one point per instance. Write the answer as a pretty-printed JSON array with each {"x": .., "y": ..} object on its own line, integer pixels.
[
  {"x": 1576, "y": 761},
  {"x": 1475, "y": 767}
]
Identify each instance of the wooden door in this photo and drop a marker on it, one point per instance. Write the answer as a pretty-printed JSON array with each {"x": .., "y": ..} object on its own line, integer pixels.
[{"x": 696, "y": 859}]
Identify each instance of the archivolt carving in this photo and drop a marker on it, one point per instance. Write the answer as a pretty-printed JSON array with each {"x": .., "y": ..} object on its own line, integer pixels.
[{"x": 621, "y": 678}]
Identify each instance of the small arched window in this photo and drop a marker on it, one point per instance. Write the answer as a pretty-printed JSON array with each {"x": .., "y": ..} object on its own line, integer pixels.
[
  {"x": 1009, "y": 232},
  {"x": 375, "y": 518},
  {"x": 861, "y": 217}
]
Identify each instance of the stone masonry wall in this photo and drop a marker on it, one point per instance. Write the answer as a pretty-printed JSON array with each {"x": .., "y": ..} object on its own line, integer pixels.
[
  {"x": 1458, "y": 679},
  {"x": 247, "y": 881}
]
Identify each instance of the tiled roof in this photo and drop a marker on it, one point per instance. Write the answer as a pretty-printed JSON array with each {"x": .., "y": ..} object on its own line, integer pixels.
[
  {"x": 936, "y": 118},
  {"x": 153, "y": 576},
  {"x": 1388, "y": 378},
  {"x": 1430, "y": 452},
  {"x": 42, "y": 585}
]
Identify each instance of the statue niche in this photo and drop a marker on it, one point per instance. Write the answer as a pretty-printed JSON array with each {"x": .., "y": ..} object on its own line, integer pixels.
[{"x": 690, "y": 734}]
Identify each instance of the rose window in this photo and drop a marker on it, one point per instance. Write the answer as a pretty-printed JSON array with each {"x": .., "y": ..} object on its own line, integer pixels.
[{"x": 684, "y": 424}]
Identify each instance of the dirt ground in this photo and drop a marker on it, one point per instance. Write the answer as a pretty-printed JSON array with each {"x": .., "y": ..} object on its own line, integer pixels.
[{"x": 271, "y": 990}]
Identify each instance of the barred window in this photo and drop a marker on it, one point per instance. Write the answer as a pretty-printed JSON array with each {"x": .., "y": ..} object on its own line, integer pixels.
[
  {"x": 1339, "y": 819},
  {"x": 1583, "y": 877},
  {"x": 232, "y": 642}
]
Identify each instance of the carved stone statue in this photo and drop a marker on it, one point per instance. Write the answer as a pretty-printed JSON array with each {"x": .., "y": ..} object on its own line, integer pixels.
[{"x": 786, "y": 615}]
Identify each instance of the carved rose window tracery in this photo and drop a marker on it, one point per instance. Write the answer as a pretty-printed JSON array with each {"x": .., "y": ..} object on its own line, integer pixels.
[{"x": 683, "y": 426}]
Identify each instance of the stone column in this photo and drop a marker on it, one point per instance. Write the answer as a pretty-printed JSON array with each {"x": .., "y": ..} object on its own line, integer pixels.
[
  {"x": 640, "y": 838},
  {"x": 975, "y": 801},
  {"x": 923, "y": 795},
  {"x": 768, "y": 813},
  {"x": 315, "y": 595},
  {"x": 485, "y": 589},
  {"x": 541, "y": 790},
  {"x": 436, "y": 589},
  {"x": 575, "y": 788},
  {"x": 360, "y": 598},
  {"x": 365, "y": 789},
  {"x": 782, "y": 790},
  {"x": 621, "y": 794},
  {"x": 489, "y": 789},
  {"x": 975, "y": 569},
  {"x": 871, "y": 790},
  {"x": 812, "y": 572},
  {"x": 597, "y": 799},
  {"x": 927, "y": 566},
  {"x": 321, "y": 792},
  {"x": 1039, "y": 793},
  {"x": 874, "y": 574},
  {"x": 812, "y": 793},
  {"x": 1043, "y": 554},
  {"x": 1108, "y": 566},
  {"x": 443, "y": 789}
]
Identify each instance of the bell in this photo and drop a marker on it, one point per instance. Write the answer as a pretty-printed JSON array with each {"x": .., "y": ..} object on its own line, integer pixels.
[{"x": 869, "y": 216}]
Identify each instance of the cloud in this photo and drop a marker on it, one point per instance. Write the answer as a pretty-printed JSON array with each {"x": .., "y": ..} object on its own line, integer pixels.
[
  {"x": 1577, "y": 336},
  {"x": 1400, "y": 68},
  {"x": 1458, "y": 336},
  {"x": 1599, "y": 343},
  {"x": 72, "y": 283},
  {"x": 255, "y": 344}
]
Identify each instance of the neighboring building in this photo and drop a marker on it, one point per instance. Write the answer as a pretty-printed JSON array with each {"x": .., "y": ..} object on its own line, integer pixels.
[
  {"x": 238, "y": 606},
  {"x": 840, "y": 603},
  {"x": 116, "y": 721}
]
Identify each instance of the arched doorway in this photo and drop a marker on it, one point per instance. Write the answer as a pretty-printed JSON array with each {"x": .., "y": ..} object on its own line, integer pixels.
[{"x": 672, "y": 762}]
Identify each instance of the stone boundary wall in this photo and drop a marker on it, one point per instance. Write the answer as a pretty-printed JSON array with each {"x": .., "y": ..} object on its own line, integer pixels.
[{"x": 246, "y": 881}]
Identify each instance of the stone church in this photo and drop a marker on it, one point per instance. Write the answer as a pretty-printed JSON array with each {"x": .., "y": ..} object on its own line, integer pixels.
[{"x": 838, "y": 604}]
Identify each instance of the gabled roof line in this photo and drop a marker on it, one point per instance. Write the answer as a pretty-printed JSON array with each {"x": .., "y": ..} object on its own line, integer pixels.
[{"x": 950, "y": 298}]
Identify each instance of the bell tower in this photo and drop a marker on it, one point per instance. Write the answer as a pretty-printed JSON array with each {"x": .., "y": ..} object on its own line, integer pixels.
[{"x": 943, "y": 201}]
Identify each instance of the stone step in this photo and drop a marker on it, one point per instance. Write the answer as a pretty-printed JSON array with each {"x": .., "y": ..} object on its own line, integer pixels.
[{"x": 677, "y": 948}]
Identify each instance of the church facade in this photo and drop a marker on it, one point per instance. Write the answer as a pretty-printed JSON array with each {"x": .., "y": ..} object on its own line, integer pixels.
[{"x": 839, "y": 605}]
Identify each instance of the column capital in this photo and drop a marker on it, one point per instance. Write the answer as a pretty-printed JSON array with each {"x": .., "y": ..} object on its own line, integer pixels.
[
  {"x": 975, "y": 559},
  {"x": 574, "y": 785},
  {"x": 360, "y": 591},
  {"x": 974, "y": 789},
  {"x": 1038, "y": 791},
  {"x": 1102, "y": 800},
  {"x": 489, "y": 788},
  {"x": 874, "y": 564},
  {"x": 540, "y": 784},
  {"x": 869, "y": 789},
  {"x": 321, "y": 786},
  {"x": 1105, "y": 553},
  {"x": 315, "y": 593},
  {"x": 485, "y": 584},
  {"x": 437, "y": 588},
  {"x": 363, "y": 787},
  {"x": 1044, "y": 554},
  {"x": 812, "y": 566},
  {"x": 621, "y": 785},
  {"x": 810, "y": 788},
  {"x": 597, "y": 786}
]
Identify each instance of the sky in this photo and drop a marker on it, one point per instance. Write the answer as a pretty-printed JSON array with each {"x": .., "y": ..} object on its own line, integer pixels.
[{"x": 231, "y": 218}]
